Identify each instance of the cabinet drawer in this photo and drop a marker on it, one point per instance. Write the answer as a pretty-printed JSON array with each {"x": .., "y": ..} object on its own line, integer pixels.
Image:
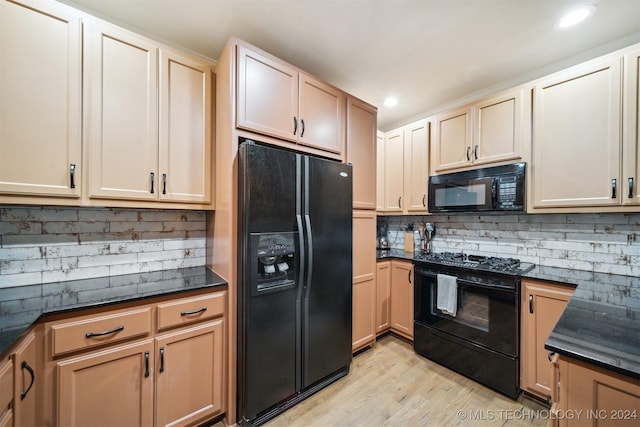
[
  {"x": 6, "y": 384},
  {"x": 190, "y": 310},
  {"x": 96, "y": 331}
]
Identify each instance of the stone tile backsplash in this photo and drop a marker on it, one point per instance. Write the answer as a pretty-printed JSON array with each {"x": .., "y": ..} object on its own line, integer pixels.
[
  {"x": 51, "y": 244},
  {"x": 601, "y": 243}
]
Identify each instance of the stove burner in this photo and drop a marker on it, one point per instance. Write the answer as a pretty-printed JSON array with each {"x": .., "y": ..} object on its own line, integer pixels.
[{"x": 479, "y": 262}]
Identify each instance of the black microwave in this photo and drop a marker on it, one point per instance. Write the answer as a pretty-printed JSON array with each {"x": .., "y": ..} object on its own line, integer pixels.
[{"x": 492, "y": 189}]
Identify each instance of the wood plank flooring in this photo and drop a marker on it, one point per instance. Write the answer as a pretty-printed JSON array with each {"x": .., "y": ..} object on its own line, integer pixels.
[{"x": 390, "y": 385}]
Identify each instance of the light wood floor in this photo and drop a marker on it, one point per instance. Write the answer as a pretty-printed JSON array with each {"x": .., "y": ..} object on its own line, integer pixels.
[{"x": 390, "y": 385}]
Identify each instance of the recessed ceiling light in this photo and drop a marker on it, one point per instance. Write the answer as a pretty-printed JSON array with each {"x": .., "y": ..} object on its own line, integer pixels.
[
  {"x": 575, "y": 16},
  {"x": 391, "y": 101}
]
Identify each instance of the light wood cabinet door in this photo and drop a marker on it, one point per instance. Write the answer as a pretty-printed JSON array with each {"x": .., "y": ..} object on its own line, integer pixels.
[
  {"x": 321, "y": 115},
  {"x": 6, "y": 391},
  {"x": 416, "y": 167},
  {"x": 394, "y": 171},
  {"x": 189, "y": 374},
  {"x": 498, "y": 129},
  {"x": 40, "y": 106},
  {"x": 109, "y": 388},
  {"x": 631, "y": 141},
  {"x": 185, "y": 152},
  {"x": 121, "y": 76},
  {"x": 361, "y": 152},
  {"x": 576, "y": 138},
  {"x": 383, "y": 296},
  {"x": 267, "y": 99},
  {"x": 364, "y": 285},
  {"x": 402, "y": 298},
  {"x": 452, "y": 140},
  {"x": 542, "y": 305},
  {"x": 25, "y": 372},
  {"x": 380, "y": 169}
]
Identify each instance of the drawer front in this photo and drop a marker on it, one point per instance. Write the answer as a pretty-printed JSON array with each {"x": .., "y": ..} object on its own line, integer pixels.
[
  {"x": 189, "y": 310},
  {"x": 6, "y": 384},
  {"x": 96, "y": 331}
]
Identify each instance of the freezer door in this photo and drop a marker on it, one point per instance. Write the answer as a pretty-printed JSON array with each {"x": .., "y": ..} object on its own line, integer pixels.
[{"x": 327, "y": 208}]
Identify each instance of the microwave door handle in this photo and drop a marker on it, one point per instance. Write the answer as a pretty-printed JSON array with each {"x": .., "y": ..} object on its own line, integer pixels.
[{"x": 494, "y": 193}]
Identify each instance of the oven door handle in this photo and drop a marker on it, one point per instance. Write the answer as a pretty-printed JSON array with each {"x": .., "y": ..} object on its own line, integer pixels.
[{"x": 465, "y": 282}]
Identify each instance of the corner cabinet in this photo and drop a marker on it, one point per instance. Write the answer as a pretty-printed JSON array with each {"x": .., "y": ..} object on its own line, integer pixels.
[
  {"x": 490, "y": 131},
  {"x": 149, "y": 135},
  {"x": 40, "y": 100},
  {"x": 279, "y": 100},
  {"x": 402, "y": 298},
  {"x": 364, "y": 279},
  {"x": 542, "y": 305}
]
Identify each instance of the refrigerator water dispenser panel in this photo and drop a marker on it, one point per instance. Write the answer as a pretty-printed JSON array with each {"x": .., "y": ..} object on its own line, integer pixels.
[{"x": 274, "y": 261}]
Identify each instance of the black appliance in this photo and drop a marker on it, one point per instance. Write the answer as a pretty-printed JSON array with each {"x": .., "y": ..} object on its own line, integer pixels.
[
  {"x": 493, "y": 189},
  {"x": 481, "y": 340},
  {"x": 294, "y": 278}
]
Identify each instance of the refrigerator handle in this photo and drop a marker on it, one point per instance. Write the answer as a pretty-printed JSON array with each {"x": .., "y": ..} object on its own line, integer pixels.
[
  {"x": 309, "y": 252},
  {"x": 302, "y": 254}
]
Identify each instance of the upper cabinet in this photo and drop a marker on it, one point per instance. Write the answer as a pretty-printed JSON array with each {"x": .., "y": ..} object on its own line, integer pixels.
[
  {"x": 149, "y": 135},
  {"x": 380, "y": 153},
  {"x": 361, "y": 152},
  {"x": 405, "y": 166},
  {"x": 489, "y": 131},
  {"x": 40, "y": 99},
  {"x": 576, "y": 137},
  {"x": 630, "y": 141},
  {"x": 278, "y": 100}
]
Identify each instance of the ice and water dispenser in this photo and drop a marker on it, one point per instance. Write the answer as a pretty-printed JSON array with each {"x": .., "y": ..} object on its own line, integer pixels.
[{"x": 274, "y": 261}]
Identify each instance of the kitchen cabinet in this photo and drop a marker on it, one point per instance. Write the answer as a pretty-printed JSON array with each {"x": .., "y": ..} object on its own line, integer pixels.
[
  {"x": 361, "y": 151},
  {"x": 542, "y": 305},
  {"x": 380, "y": 153},
  {"x": 416, "y": 167},
  {"x": 133, "y": 155},
  {"x": 158, "y": 363},
  {"x": 6, "y": 392},
  {"x": 491, "y": 130},
  {"x": 40, "y": 114},
  {"x": 402, "y": 298},
  {"x": 592, "y": 395},
  {"x": 279, "y": 100},
  {"x": 393, "y": 171},
  {"x": 631, "y": 121},
  {"x": 383, "y": 296},
  {"x": 19, "y": 378},
  {"x": 576, "y": 137},
  {"x": 364, "y": 279}
]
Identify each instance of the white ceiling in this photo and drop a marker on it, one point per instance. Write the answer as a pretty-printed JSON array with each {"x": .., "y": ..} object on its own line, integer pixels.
[{"x": 428, "y": 53}]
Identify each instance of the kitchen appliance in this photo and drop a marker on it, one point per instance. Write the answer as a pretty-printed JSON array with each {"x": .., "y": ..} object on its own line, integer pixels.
[
  {"x": 294, "y": 278},
  {"x": 429, "y": 232},
  {"x": 382, "y": 235},
  {"x": 493, "y": 189},
  {"x": 480, "y": 337}
]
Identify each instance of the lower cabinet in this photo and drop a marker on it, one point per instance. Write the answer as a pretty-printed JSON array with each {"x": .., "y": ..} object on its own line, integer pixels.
[
  {"x": 402, "y": 298},
  {"x": 542, "y": 305},
  {"x": 383, "y": 296},
  {"x": 364, "y": 280},
  {"x": 587, "y": 395},
  {"x": 6, "y": 395}
]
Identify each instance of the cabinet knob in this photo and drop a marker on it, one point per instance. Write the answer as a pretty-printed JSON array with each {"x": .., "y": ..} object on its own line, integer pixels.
[
  {"x": 295, "y": 125},
  {"x": 468, "y": 151},
  {"x": 550, "y": 356},
  {"x": 530, "y": 303},
  {"x": 26, "y": 366},
  {"x": 475, "y": 151},
  {"x": 424, "y": 200},
  {"x": 302, "y": 130},
  {"x": 631, "y": 187},
  {"x": 614, "y": 185},
  {"x": 164, "y": 183},
  {"x": 152, "y": 177},
  {"x": 399, "y": 202},
  {"x": 72, "y": 172}
]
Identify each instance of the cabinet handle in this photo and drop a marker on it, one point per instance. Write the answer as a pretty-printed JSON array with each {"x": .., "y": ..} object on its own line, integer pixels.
[
  {"x": 146, "y": 364},
  {"x": 295, "y": 125},
  {"x": 475, "y": 151},
  {"x": 164, "y": 183},
  {"x": 302, "y": 131},
  {"x": 468, "y": 151},
  {"x": 424, "y": 197},
  {"x": 549, "y": 400},
  {"x": 153, "y": 176},
  {"x": 550, "y": 356},
  {"x": 631, "y": 187},
  {"x": 72, "y": 172},
  {"x": 161, "y": 359},
  {"x": 399, "y": 200},
  {"x": 614, "y": 185},
  {"x": 409, "y": 276},
  {"x": 24, "y": 365},
  {"x": 189, "y": 313},
  {"x": 101, "y": 334},
  {"x": 530, "y": 303}
]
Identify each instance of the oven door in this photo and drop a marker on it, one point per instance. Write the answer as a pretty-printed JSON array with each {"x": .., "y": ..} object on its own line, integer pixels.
[
  {"x": 486, "y": 315},
  {"x": 461, "y": 195}
]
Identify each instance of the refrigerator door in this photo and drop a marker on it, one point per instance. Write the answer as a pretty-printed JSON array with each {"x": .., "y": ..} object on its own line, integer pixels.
[
  {"x": 268, "y": 311},
  {"x": 327, "y": 208}
]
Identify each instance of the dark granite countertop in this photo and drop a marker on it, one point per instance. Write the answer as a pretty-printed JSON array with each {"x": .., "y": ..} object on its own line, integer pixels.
[
  {"x": 22, "y": 306},
  {"x": 601, "y": 323}
]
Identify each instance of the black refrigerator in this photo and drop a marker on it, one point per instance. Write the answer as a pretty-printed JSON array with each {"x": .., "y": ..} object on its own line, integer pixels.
[{"x": 294, "y": 278}]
